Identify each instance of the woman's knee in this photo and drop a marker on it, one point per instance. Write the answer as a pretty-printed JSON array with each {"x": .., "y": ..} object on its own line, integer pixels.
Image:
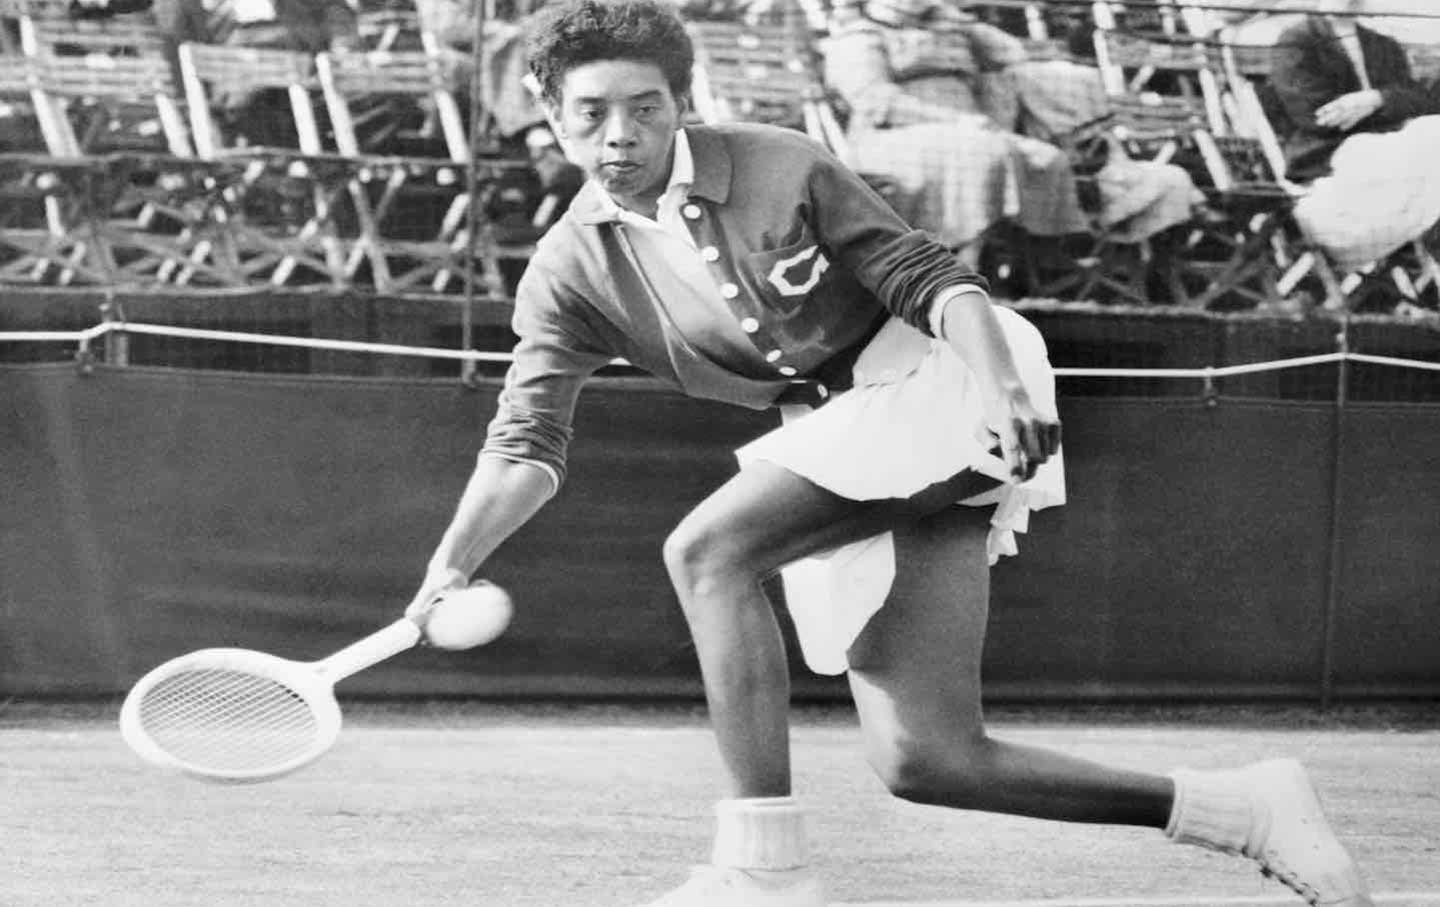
[
  {"x": 931, "y": 769},
  {"x": 699, "y": 554}
]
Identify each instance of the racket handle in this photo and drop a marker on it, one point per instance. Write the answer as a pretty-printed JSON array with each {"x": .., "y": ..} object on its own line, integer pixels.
[{"x": 371, "y": 650}]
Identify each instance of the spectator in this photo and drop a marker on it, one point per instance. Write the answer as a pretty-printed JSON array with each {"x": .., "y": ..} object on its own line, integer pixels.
[
  {"x": 1357, "y": 126},
  {"x": 952, "y": 108},
  {"x": 910, "y": 77},
  {"x": 509, "y": 103}
]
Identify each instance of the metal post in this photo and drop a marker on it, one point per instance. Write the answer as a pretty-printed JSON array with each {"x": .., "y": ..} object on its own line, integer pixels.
[
  {"x": 117, "y": 345},
  {"x": 1334, "y": 572},
  {"x": 479, "y": 58}
]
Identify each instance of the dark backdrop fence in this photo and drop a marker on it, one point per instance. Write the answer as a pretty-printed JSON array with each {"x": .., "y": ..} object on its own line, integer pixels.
[{"x": 1261, "y": 541}]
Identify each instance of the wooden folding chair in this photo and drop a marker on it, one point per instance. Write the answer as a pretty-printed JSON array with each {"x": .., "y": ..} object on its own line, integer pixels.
[
  {"x": 118, "y": 125},
  {"x": 1129, "y": 65},
  {"x": 47, "y": 231},
  {"x": 168, "y": 214},
  {"x": 287, "y": 200},
  {"x": 395, "y": 195}
]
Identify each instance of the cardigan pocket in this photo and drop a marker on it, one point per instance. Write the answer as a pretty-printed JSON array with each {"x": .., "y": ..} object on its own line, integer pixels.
[{"x": 784, "y": 278}]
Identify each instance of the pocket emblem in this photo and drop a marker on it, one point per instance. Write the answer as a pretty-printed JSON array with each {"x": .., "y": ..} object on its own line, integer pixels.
[{"x": 779, "y": 275}]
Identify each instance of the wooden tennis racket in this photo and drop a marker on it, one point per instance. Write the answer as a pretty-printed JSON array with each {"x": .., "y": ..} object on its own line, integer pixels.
[{"x": 238, "y": 715}]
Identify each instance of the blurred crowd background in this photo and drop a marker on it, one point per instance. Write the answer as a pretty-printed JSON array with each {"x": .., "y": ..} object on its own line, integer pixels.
[{"x": 1230, "y": 156}]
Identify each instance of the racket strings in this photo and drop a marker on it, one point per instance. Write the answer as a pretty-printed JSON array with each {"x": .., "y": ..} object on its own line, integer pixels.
[{"x": 228, "y": 720}]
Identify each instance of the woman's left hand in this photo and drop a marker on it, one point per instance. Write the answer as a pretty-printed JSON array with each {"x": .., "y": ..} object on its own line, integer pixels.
[{"x": 1027, "y": 437}]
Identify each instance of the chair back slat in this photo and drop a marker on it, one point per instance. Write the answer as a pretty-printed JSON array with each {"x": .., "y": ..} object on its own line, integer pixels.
[
  {"x": 240, "y": 68},
  {"x": 99, "y": 77},
  {"x": 1136, "y": 51},
  {"x": 753, "y": 72},
  {"x": 34, "y": 9},
  {"x": 18, "y": 75},
  {"x": 415, "y": 73},
  {"x": 136, "y": 37}
]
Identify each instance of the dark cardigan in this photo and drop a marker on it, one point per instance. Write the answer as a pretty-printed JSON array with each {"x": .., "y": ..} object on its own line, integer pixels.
[{"x": 1312, "y": 69}]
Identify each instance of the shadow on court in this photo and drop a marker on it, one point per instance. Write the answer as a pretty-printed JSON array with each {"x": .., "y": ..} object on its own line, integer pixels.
[{"x": 485, "y": 805}]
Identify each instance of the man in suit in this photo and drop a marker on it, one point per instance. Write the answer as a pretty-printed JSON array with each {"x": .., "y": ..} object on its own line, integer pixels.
[
  {"x": 1357, "y": 127},
  {"x": 1335, "y": 77}
]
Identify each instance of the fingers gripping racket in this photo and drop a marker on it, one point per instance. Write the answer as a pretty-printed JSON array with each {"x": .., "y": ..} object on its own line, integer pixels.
[{"x": 238, "y": 715}]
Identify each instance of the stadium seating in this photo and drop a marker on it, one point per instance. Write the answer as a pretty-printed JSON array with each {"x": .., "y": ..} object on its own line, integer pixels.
[
  {"x": 404, "y": 255},
  {"x": 128, "y": 180},
  {"x": 285, "y": 202}
]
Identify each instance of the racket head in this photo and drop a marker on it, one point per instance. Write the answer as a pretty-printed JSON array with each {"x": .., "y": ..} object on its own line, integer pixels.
[{"x": 231, "y": 715}]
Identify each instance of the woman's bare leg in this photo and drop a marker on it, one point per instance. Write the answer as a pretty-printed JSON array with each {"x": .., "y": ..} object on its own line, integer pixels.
[
  {"x": 717, "y": 558},
  {"x": 915, "y": 675}
]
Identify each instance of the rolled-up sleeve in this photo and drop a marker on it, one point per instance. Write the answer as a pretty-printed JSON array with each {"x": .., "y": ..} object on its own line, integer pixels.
[
  {"x": 905, "y": 268},
  {"x": 554, "y": 357}
]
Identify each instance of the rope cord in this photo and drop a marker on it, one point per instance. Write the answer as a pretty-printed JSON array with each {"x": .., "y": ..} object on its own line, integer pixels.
[{"x": 85, "y": 337}]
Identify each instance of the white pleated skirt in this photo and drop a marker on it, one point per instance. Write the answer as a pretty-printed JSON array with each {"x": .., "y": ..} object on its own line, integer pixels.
[{"x": 915, "y": 417}]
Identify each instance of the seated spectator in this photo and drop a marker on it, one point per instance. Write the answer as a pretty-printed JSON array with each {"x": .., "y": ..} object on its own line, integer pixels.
[
  {"x": 509, "y": 103},
  {"x": 910, "y": 79},
  {"x": 1358, "y": 130},
  {"x": 953, "y": 110}
]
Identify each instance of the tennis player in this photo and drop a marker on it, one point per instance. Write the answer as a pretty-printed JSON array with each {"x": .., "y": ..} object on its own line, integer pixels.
[{"x": 745, "y": 264}]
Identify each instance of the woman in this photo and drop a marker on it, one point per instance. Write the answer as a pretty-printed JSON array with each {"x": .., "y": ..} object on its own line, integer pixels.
[
  {"x": 952, "y": 110},
  {"x": 745, "y": 264},
  {"x": 925, "y": 108},
  {"x": 1360, "y": 134}
]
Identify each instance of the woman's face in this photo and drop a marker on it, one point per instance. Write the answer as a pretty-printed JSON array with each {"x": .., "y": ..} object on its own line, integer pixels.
[{"x": 616, "y": 120}]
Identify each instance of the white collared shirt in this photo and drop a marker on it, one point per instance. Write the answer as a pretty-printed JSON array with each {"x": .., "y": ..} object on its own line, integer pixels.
[{"x": 677, "y": 192}]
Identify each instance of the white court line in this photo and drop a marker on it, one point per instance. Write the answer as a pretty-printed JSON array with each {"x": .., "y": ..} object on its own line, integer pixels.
[{"x": 1405, "y": 898}]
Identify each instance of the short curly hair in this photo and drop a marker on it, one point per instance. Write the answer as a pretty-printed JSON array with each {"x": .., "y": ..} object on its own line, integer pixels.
[{"x": 570, "y": 34}]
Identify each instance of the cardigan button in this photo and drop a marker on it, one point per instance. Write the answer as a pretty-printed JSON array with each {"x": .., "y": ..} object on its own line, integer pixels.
[
  {"x": 773, "y": 356},
  {"x": 787, "y": 370},
  {"x": 729, "y": 290},
  {"x": 710, "y": 253},
  {"x": 749, "y": 325},
  {"x": 691, "y": 211}
]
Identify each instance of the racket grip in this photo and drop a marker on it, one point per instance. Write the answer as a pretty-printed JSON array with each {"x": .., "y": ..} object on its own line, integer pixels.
[{"x": 373, "y": 649}]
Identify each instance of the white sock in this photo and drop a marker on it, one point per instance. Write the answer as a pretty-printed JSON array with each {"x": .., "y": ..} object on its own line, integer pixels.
[
  {"x": 759, "y": 833},
  {"x": 1212, "y": 809}
]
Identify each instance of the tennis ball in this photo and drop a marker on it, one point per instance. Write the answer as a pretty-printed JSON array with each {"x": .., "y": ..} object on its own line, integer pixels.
[{"x": 469, "y": 617}]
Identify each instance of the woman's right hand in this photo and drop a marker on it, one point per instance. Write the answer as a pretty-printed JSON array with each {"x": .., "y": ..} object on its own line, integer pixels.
[
  {"x": 436, "y": 585},
  {"x": 1027, "y": 437},
  {"x": 1349, "y": 110}
]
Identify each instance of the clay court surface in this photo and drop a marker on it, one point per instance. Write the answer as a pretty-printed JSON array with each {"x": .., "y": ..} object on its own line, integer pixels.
[{"x": 484, "y": 805}]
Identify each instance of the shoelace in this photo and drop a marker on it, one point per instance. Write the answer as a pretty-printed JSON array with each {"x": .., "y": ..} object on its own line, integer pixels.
[{"x": 1272, "y": 867}]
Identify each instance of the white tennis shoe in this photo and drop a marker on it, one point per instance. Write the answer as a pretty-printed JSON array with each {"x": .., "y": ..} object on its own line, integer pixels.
[
  {"x": 1292, "y": 841},
  {"x": 1270, "y": 813},
  {"x": 723, "y": 886}
]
